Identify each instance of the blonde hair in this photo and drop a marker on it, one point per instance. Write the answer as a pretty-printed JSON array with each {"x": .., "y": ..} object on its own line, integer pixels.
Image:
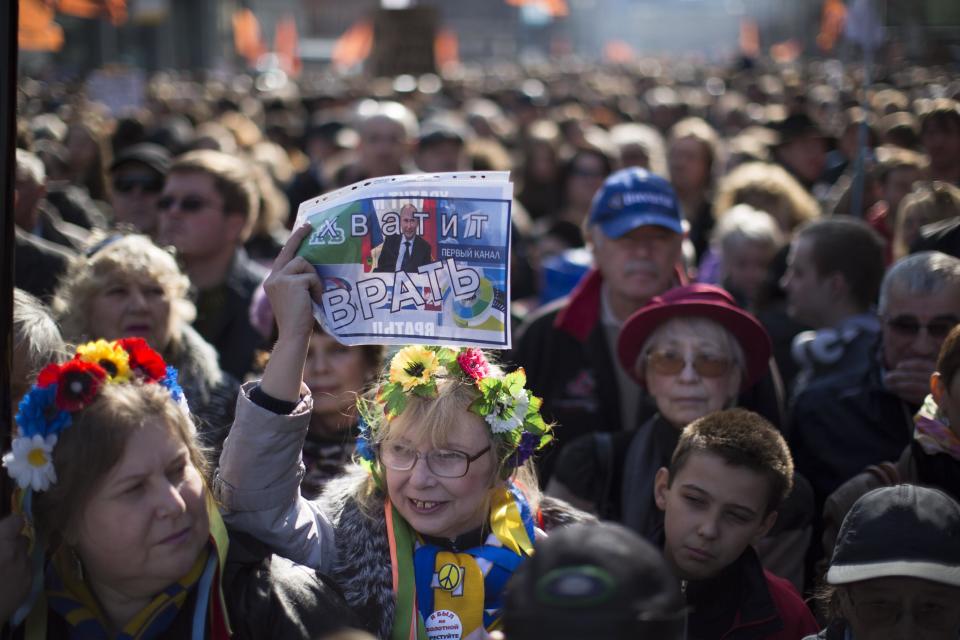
[
  {"x": 929, "y": 202},
  {"x": 128, "y": 257},
  {"x": 430, "y": 420},
  {"x": 770, "y": 188}
]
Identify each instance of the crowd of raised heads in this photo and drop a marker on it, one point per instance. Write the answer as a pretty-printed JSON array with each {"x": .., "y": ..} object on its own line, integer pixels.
[{"x": 731, "y": 407}]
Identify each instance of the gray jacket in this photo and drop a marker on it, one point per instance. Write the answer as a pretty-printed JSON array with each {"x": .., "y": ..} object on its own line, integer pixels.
[{"x": 258, "y": 486}]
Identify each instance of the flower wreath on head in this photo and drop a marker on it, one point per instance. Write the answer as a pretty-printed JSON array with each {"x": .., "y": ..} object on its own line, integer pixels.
[
  {"x": 63, "y": 389},
  {"x": 509, "y": 409}
]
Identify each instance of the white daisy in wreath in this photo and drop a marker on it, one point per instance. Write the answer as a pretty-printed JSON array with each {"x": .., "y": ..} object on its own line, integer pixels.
[
  {"x": 509, "y": 410},
  {"x": 30, "y": 462}
]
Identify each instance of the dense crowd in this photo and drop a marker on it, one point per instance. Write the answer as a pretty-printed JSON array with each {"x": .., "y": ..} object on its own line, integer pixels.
[{"x": 731, "y": 407}]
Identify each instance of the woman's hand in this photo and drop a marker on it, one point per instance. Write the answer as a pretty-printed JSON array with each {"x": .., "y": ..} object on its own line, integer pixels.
[
  {"x": 14, "y": 567},
  {"x": 292, "y": 287}
]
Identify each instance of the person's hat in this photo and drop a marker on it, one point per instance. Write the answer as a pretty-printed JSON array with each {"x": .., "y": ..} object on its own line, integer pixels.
[
  {"x": 632, "y": 198},
  {"x": 796, "y": 126},
  {"x": 696, "y": 301},
  {"x": 594, "y": 580},
  {"x": 146, "y": 153},
  {"x": 905, "y": 531}
]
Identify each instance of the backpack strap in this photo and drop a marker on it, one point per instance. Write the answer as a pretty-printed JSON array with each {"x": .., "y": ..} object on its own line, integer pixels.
[{"x": 603, "y": 450}]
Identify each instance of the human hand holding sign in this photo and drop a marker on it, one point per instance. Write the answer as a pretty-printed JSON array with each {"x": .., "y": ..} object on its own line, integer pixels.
[{"x": 292, "y": 287}]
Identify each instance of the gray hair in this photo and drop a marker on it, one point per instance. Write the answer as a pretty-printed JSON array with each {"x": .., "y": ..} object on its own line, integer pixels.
[
  {"x": 31, "y": 164},
  {"x": 924, "y": 273},
  {"x": 388, "y": 109},
  {"x": 744, "y": 223}
]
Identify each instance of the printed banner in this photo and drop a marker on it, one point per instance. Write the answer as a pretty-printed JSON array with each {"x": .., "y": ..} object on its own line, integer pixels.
[{"x": 414, "y": 258}]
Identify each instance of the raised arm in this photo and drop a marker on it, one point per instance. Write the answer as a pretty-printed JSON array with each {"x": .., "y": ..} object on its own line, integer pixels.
[{"x": 258, "y": 481}]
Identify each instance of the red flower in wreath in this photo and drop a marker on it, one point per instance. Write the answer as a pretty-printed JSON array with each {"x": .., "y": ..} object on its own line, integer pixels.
[
  {"x": 144, "y": 359},
  {"x": 78, "y": 384},
  {"x": 473, "y": 363},
  {"x": 49, "y": 375}
]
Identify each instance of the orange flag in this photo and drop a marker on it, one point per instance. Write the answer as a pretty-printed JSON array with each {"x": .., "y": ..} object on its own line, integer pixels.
[
  {"x": 446, "y": 47},
  {"x": 786, "y": 51},
  {"x": 246, "y": 36},
  {"x": 286, "y": 44},
  {"x": 116, "y": 10},
  {"x": 354, "y": 46},
  {"x": 749, "y": 38},
  {"x": 618, "y": 52},
  {"x": 832, "y": 18},
  {"x": 36, "y": 30}
]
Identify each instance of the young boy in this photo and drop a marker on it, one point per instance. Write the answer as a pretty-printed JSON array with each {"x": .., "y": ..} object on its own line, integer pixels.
[{"x": 729, "y": 474}]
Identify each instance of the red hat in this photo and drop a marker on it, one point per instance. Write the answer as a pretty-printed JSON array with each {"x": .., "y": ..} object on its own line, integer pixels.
[{"x": 697, "y": 301}]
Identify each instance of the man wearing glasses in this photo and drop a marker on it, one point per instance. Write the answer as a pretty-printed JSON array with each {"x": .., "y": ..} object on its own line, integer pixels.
[
  {"x": 865, "y": 417},
  {"x": 208, "y": 207},
  {"x": 136, "y": 178}
]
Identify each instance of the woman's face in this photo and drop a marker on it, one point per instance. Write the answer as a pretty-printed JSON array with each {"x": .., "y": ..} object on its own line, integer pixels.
[
  {"x": 146, "y": 522},
  {"x": 445, "y": 507},
  {"x": 130, "y": 306},
  {"x": 689, "y": 164},
  {"x": 684, "y": 396},
  {"x": 335, "y": 374}
]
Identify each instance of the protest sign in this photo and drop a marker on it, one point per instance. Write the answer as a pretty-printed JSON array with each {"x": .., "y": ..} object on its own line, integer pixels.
[{"x": 415, "y": 258}]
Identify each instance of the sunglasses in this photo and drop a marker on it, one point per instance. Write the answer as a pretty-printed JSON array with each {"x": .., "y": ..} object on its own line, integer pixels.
[
  {"x": 187, "y": 204},
  {"x": 910, "y": 326},
  {"x": 146, "y": 184},
  {"x": 671, "y": 363}
]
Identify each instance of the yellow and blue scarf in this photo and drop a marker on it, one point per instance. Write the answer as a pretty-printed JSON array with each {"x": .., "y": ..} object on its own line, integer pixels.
[
  {"x": 436, "y": 587},
  {"x": 66, "y": 593}
]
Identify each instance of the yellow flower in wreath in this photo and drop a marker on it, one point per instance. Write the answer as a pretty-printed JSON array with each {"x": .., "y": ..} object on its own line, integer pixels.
[{"x": 111, "y": 357}]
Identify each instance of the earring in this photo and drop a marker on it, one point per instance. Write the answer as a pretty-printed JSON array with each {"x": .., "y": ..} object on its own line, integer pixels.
[{"x": 77, "y": 564}]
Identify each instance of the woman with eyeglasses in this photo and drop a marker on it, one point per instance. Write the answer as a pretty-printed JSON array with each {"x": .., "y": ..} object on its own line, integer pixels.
[
  {"x": 693, "y": 351},
  {"x": 423, "y": 534},
  {"x": 126, "y": 286}
]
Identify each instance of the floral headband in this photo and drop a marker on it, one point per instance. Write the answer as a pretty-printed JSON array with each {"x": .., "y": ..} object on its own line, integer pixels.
[
  {"x": 510, "y": 410},
  {"x": 63, "y": 389}
]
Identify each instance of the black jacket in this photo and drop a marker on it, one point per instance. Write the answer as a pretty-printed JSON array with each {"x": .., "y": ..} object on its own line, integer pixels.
[
  {"x": 845, "y": 422},
  {"x": 420, "y": 250},
  {"x": 223, "y": 315}
]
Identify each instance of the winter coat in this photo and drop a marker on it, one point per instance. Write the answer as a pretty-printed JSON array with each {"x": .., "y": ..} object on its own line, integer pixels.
[
  {"x": 258, "y": 486},
  {"x": 746, "y": 602}
]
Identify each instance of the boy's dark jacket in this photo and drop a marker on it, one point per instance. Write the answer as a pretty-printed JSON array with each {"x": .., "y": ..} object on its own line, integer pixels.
[{"x": 746, "y": 602}]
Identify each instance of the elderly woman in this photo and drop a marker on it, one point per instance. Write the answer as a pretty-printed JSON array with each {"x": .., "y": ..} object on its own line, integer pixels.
[
  {"x": 126, "y": 287},
  {"x": 423, "y": 539},
  {"x": 128, "y": 542},
  {"x": 894, "y": 573},
  {"x": 693, "y": 350}
]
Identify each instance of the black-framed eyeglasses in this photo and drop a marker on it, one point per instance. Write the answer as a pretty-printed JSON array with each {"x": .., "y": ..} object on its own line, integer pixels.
[
  {"x": 910, "y": 326},
  {"x": 445, "y": 463},
  {"x": 147, "y": 184},
  {"x": 187, "y": 204}
]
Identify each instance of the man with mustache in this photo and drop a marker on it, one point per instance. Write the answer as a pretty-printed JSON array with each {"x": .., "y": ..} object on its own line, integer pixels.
[{"x": 635, "y": 232}]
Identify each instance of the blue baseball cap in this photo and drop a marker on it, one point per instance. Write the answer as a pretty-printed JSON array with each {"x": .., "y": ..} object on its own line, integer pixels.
[{"x": 632, "y": 198}]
